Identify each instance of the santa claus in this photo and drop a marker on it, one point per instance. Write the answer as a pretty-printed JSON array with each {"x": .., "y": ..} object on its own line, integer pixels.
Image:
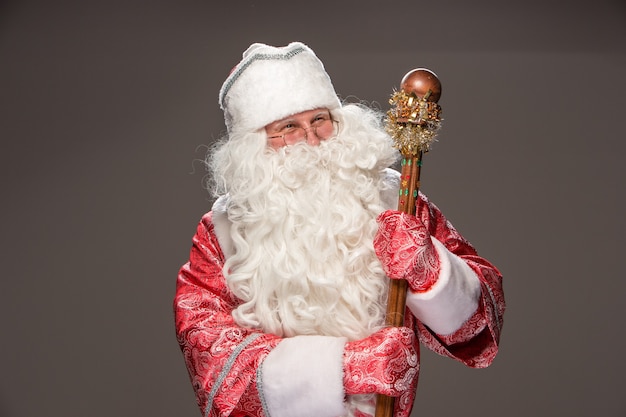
[{"x": 280, "y": 310}]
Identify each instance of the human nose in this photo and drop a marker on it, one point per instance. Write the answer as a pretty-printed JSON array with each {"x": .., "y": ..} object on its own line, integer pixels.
[{"x": 310, "y": 136}]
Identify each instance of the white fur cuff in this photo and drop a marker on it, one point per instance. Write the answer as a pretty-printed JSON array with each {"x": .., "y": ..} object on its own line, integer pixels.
[
  {"x": 303, "y": 376},
  {"x": 452, "y": 300}
]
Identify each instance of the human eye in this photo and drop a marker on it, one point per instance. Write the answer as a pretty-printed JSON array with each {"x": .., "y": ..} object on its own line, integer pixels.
[
  {"x": 320, "y": 119},
  {"x": 288, "y": 127}
]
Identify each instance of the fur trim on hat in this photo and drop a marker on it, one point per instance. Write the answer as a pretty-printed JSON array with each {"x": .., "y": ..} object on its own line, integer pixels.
[{"x": 272, "y": 83}]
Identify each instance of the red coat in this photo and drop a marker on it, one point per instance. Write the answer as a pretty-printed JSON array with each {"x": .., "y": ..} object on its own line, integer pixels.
[{"x": 223, "y": 359}]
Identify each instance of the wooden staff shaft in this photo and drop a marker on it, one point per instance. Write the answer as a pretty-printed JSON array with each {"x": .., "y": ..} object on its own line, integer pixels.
[
  {"x": 412, "y": 124},
  {"x": 396, "y": 300}
]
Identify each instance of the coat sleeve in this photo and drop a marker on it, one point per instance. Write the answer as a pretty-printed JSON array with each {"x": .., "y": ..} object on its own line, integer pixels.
[
  {"x": 222, "y": 358},
  {"x": 474, "y": 341}
]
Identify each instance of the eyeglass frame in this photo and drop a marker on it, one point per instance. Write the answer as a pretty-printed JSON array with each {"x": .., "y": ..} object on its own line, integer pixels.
[{"x": 306, "y": 130}]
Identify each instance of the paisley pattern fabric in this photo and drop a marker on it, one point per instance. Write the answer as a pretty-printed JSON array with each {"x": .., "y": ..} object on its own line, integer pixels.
[
  {"x": 384, "y": 363},
  {"x": 223, "y": 358},
  {"x": 476, "y": 343},
  {"x": 403, "y": 245}
]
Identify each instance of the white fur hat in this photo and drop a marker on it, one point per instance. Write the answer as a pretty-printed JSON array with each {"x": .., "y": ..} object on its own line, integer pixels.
[{"x": 271, "y": 83}]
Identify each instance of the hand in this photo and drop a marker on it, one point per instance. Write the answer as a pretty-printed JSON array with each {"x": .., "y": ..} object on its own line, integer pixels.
[
  {"x": 405, "y": 250},
  {"x": 384, "y": 363}
]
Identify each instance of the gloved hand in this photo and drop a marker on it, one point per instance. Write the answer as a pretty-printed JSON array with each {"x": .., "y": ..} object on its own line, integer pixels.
[
  {"x": 383, "y": 363},
  {"x": 403, "y": 245}
]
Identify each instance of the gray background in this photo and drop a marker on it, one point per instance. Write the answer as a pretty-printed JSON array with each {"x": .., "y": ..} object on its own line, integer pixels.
[{"x": 106, "y": 108}]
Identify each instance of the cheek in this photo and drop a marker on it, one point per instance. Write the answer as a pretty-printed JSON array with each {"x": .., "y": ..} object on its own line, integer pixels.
[{"x": 276, "y": 143}]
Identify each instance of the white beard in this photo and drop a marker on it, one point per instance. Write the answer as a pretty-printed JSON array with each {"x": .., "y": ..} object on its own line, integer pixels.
[{"x": 302, "y": 229}]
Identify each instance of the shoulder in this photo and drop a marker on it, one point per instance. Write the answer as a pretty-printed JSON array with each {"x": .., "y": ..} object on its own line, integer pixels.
[
  {"x": 218, "y": 216},
  {"x": 390, "y": 188},
  {"x": 390, "y": 184}
]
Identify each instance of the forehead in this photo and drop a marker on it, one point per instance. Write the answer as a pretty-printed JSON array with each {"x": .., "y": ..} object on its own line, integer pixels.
[{"x": 302, "y": 116}]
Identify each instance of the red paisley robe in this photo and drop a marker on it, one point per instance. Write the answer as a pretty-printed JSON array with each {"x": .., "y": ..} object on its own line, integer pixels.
[{"x": 224, "y": 360}]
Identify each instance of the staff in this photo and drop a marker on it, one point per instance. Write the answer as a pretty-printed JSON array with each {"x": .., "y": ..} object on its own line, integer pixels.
[{"x": 413, "y": 124}]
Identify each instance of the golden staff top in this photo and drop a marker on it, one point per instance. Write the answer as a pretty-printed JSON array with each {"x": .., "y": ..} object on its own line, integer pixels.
[
  {"x": 414, "y": 122},
  {"x": 413, "y": 125}
]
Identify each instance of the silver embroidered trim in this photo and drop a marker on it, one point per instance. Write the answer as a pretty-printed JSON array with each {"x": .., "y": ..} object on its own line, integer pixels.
[
  {"x": 226, "y": 369},
  {"x": 495, "y": 308},
  {"x": 258, "y": 57},
  {"x": 259, "y": 386}
]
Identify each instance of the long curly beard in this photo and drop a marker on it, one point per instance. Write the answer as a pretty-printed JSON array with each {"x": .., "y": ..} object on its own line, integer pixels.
[{"x": 303, "y": 220}]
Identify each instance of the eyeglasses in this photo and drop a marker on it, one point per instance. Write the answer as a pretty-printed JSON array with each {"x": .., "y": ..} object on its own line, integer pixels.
[{"x": 323, "y": 126}]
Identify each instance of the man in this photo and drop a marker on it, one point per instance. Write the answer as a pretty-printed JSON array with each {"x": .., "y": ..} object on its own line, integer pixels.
[{"x": 280, "y": 309}]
